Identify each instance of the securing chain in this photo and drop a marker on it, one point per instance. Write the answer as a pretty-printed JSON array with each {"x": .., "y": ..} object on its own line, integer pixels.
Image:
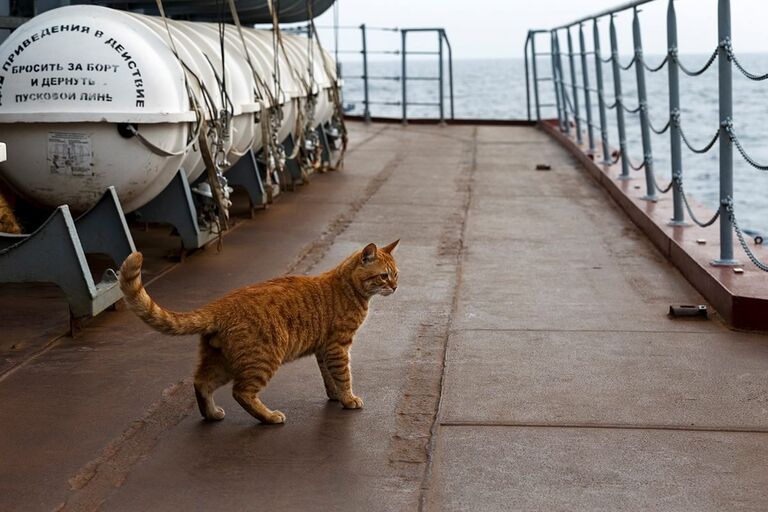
[
  {"x": 728, "y": 46},
  {"x": 728, "y": 126},
  {"x": 678, "y": 179},
  {"x": 676, "y": 121},
  {"x": 728, "y": 204},
  {"x": 657, "y": 68},
  {"x": 674, "y": 56}
]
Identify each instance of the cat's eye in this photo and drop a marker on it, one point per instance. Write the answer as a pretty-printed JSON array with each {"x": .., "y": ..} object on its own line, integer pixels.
[{"x": 384, "y": 276}]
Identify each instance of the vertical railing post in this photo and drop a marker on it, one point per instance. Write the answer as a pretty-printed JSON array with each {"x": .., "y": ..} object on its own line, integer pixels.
[
  {"x": 675, "y": 144},
  {"x": 555, "y": 79},
  {"x": 601, "y": 94},
  {"x": 403, "y": 76},
  {"x": 587, "y": 93},
  {"x": 535, "y": 76},
  {"x": 367, "y": 109},
  {"x": 574, "y": 88},
  {"x": 726, "y": 147},
  {"x": 440, "y": 75},
  {"x": 450, "y": 68},
  {"x": 563, "y": 90},
  {"x": 527, "y": 76},
  {"x": 619, "y": 102},
  {"x": 642, "y": 98}
]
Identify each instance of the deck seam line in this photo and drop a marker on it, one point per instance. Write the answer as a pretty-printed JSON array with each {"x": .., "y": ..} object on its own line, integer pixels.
[
  {"x": 607, "y": 426},
  {"x": 437, "y": 423},
  {"x": 617, "y": 331}
]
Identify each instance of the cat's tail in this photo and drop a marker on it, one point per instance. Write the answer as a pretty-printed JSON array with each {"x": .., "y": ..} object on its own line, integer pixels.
[{"x": 157, "y": 317}]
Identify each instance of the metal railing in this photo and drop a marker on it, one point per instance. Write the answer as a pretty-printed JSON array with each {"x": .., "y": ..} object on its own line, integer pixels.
[
  {"x": 567, "y": 104},
  {"x": 443, "y": 53}
]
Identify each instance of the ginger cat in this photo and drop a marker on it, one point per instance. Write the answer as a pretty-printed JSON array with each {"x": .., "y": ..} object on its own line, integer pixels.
[
  {"x": 247, "y": 334},
  {"x": 8, "y": 222}
]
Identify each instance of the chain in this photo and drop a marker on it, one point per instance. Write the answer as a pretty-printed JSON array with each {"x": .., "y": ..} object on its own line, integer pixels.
[
  {"x": 728, "y": 125},
  {"x": 678, "y": 179},
  {"x": 675, "y": 118},
  {"x": 631, "y": 63},
  {"x": 657, "y": 68},
  {"x": 728, "y": 203},
  {"x": 642, "y": 165},
  {"x": 674, "y": 56},
  {"x": 728, "y": 46},
  {"x": 665, "y": 189},
  {"x": 663, "y": 130}
]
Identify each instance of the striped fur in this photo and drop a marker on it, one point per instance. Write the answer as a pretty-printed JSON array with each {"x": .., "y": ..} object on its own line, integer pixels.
[
  {"x": 8, "y": 222},
  {"x": 246, "y": 335}
]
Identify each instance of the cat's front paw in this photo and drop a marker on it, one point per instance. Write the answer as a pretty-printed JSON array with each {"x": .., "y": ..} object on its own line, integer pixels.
[
  {"x": 217, "y": 415},
  {"x": 352, "y": 402},
  {"x": 275, "y": 418}
]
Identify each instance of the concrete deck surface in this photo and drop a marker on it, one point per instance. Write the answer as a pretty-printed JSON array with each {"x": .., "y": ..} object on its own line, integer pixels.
[{"x": 526, "y": 361}]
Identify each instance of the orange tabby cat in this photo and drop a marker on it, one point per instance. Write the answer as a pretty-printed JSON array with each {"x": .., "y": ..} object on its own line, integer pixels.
[{"x": 247, "y": 334}]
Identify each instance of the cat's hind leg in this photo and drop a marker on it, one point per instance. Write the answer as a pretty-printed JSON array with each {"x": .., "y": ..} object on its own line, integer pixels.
[
  {"x": 250, "y": 378},
  {"x": 212, "y": 373}
]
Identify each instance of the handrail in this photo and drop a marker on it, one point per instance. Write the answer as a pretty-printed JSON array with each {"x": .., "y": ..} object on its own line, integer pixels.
[
  {"x": 605, "y": 12},
  {"x": 569, "y": 94}
]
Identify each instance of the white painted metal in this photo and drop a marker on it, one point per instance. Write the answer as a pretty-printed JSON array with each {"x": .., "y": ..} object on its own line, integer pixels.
[{"x": 71, "y": 76}]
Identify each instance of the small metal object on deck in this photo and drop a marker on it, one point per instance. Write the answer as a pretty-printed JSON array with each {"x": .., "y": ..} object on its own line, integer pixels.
[
  {"x": 738, "y": 270},
  {"x": 701, "y": 241},
  {"x": 543, "y": 167},
  {"x": 758, "y": 240},
  {"x": 688, "y": 311}
]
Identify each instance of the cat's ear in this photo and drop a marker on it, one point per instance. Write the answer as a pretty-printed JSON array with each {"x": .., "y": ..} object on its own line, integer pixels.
[
  {"x": 368, "y": 254},
  {"x": 389, "y": 249}
]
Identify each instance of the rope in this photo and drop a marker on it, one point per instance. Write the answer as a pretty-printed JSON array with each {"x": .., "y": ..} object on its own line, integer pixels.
[
  {"x": 728, "y": 203},
  {"x": 732, "y": 57},
  {"x": 673, "y": 55},
  {"x": 215, "y": 177},
  {"x": 338, "y": 114},
  {"x": 728, "y": 125}
]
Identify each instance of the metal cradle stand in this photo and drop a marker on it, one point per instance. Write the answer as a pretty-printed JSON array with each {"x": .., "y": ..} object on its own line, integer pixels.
[
  {"x": 174, "y": 206},
  {"x": 55, "y": 253},
  {"x": 292, "y": 164},
  {"x": 245, "y": 174},
  {"x": 326, "y": 155}
]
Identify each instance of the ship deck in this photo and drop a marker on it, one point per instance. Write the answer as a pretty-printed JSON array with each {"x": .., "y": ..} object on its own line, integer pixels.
[{"x": 526, "y": 361}]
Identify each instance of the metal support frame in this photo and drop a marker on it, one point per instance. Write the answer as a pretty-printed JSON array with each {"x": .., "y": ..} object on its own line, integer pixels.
[
  {"x": 601, "y": 94},
  {"x": 587, "y": 96},
  {"x": 175, "y": 206},
  {"x": 100, "y": 230},
  {"x": 574, "y": 89},
  {"x": 725, "y": 79},
  {"x": 675, "y": 142},
  {"x": 245, "y": 174},
  {"x": 619, "y": 102},
  {"x": 292, "y": 164},
  {"x": 327, "y": 150},
  {"x": 642, "y": 97},
  {"x": 535, "y": 79}
]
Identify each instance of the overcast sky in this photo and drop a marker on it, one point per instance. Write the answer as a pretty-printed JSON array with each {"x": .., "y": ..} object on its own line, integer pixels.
[{"x": 497, "y": 28}]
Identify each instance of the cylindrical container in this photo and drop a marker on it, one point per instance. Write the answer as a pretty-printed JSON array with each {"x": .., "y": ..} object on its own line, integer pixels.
[{"x": 119, "y": 110}]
